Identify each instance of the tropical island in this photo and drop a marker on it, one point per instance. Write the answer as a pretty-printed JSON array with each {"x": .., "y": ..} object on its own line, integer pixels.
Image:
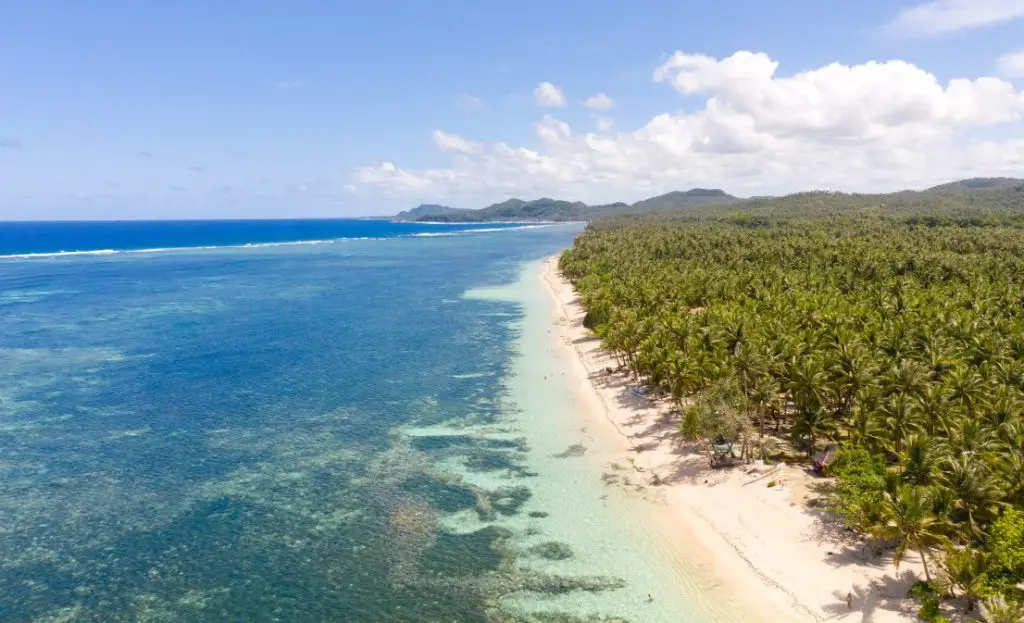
[{"x": 864, "y": 353}]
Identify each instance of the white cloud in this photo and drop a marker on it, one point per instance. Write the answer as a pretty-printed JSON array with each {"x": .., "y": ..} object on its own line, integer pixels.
[
  {"x": 604, "y": 124},
  {"x": 548, "y": 95},
  {"x": 467, "y": 101},
  {"x": 599, "y": 102},
  {"x": 939, "y": 17},
  {"x": 288, "y": 85},
  {"x": 877, "y": 126},
  {"x": 1012, "y": 65},
  {"x": 451, "y": 142}
]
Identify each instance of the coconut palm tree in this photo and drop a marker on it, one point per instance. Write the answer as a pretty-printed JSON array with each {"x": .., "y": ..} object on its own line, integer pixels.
[
  {"x": 966, "y": 569},
  {"x": 899, "y": 420},
  {"x": 977, "y": 495},
  {"x": 909, "y": 521},
  {"x": 810, "y": 424},
  {"x": 920, "y": 460},
  {"x": 901, "y": 334},
  {"x": 999, "y": 609}
]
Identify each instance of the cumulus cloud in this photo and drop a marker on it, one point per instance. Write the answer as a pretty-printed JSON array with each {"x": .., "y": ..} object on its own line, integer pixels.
[
  {"x": 1012, "y": 65},
  {"x": 939, "y": 17},
  {"x": 604, "y": 124},
  {"x": 876, "y": 126},
  {"x": 451, "y": 142},
  {"x": 599, "y": 102},
  {"x": 548, "y": 95},
  {"x": 467, "y": 101}
]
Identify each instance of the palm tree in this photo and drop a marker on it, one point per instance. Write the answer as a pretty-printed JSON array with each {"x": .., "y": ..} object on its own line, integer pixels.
[
  {"x": 810, "y": 424},
  {"x": 851, "y": 372},
  {"x": 920, "y": 460},
  {"x": 966, "y": 388},
  {"x": 999, "y": 609},
  {"x": 807, "y": 383},
  {"x": 966, "y": 569},
  {"x": 933, "y": 408},
  {"x": 898, "y": 420},
  {"x": 908, "y": 520},
  {"x": 977, "y": 497},
  {"x": 909, "y": 378},
  {"x": 1013, "y": 474}
]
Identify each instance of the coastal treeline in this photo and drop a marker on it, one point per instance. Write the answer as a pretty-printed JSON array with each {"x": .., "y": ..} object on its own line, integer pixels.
[{"x": 897, "y": 340}]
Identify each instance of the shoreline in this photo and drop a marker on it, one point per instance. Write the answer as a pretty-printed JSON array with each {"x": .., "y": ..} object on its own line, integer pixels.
[{"x": 766, "y": 551}]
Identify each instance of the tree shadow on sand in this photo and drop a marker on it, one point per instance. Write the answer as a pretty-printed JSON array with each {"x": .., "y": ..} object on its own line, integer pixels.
[{"x": 866, "y": 601}]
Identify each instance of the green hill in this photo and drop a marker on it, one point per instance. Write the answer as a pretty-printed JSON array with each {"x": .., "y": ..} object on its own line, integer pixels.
[
  {"x": 977, "y": 183},
  {"x": 426, "y": 211},
  {"x": 964, "y": 205},
  {"x": 546, "y": 209},
  {"x": 515, "y": 210},
  {"x": 678, "y": 200},
  {"x": 973, "y": 198}
]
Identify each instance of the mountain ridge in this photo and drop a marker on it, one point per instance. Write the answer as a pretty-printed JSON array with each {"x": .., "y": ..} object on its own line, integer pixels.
[
  {"x": 547, "y": 209},
  {"x": 973, "y": 193}
]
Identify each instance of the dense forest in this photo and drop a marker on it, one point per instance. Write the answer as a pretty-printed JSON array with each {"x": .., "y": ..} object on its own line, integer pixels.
[{"x": 889, "y": 327}]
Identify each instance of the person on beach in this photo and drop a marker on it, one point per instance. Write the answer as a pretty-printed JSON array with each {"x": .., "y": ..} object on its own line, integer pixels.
[{"x": 849, "y": 600}]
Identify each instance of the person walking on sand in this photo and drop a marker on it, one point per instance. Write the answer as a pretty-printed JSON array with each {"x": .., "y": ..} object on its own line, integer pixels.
[{"x": 849, "y": 600}]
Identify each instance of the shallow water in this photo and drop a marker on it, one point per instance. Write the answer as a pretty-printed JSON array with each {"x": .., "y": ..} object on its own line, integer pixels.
[{"x": 365, "y": 431}]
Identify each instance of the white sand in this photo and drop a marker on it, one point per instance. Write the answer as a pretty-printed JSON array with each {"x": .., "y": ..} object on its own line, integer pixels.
[{"x": 762, "y": 545}]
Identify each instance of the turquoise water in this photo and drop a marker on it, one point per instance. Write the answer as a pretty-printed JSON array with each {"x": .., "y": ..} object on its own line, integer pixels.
[
  {"x": 211, "y": 435},
  {"x": 364, "y": 431}
]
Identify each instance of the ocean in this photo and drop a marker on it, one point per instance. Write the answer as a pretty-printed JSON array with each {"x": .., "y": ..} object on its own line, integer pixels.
[
  {"x": 368, "y": 429},
  {"x": 28, "y": 238}
]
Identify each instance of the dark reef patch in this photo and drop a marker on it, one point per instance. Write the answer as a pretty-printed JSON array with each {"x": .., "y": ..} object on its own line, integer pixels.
[
  {"x": 468, "y": 554},
  {"x": 552, "y": 550},
  {"x": 448, "y": 497}
]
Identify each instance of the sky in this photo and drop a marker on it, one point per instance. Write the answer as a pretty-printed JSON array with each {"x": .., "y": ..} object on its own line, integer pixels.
[{"x": 265, "y": 109}]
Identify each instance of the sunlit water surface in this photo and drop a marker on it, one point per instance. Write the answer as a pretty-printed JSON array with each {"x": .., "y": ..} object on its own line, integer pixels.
[{"x": 335, "y": 432}]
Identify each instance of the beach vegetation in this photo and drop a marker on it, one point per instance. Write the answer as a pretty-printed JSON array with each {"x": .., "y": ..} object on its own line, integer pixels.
[{"x": 894, "y": 333}]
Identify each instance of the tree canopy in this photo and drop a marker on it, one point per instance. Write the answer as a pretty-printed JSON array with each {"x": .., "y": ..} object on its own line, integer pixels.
[{"x": 895, "y": 333}]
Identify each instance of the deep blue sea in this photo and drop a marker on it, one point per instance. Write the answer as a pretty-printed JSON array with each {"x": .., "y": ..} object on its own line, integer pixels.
[
  {"x": 32, "y": 238},
  {"x": 206, "y": 434}
]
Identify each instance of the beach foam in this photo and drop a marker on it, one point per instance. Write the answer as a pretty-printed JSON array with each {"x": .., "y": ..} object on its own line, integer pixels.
[{"x": 258, "y": 245}]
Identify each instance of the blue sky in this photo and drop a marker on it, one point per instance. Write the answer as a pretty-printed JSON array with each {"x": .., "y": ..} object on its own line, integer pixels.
[{"x": 271, "y": 109}]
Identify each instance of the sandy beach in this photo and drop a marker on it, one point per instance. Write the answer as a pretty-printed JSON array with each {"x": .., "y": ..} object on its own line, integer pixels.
[{"x": 763, "y": 544}]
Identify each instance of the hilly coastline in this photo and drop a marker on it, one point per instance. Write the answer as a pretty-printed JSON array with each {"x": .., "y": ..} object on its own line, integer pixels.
[
  {"x": 546, "y": 209},
  {"x": 969, "y": 196}
]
